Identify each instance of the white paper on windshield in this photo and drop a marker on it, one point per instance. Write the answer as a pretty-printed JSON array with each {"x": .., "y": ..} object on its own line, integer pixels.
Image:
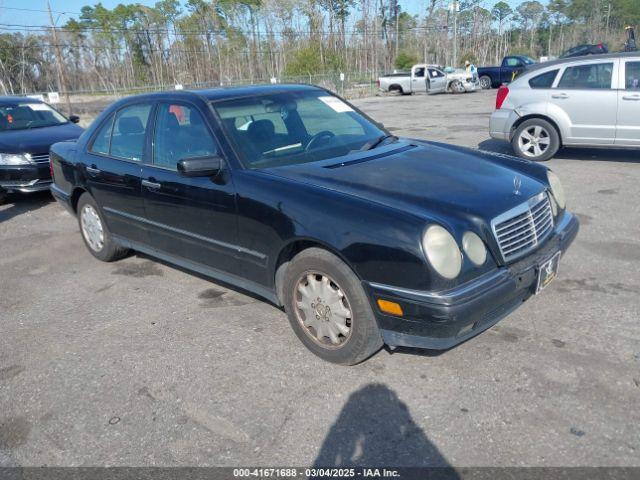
[{"x": 336, "y": 104}]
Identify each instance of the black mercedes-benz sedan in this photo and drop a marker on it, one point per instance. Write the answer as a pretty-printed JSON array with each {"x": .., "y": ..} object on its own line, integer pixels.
[
  {"x": 293, "y": 194},
  {"x": 28, "y": 127}
]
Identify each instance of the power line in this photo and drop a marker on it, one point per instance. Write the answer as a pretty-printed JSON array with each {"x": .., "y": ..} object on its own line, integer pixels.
[{"x": 177, "y": 32}]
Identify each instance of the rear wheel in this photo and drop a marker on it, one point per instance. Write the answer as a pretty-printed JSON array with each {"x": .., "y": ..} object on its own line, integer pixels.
[
  {"x": 328, "y": 308},
  {"x": 396, "y": 88},
  {"x": 536, "y": 139},
  {"x": 3, "y": 196},
  {"x": 485, "y": 82},
  {"x": 94, "y": 231}
]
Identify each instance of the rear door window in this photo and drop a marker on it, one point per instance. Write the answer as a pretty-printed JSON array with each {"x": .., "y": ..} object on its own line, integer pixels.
[
  {"x": 632, "y": 76},
  {"x": 129, "y": 128},
  {"x": 103, "y": 138},
  {"x": 544, "y": 80},
  {"x": 180, "y": 133},
  {"x": 594, "y": 76}
]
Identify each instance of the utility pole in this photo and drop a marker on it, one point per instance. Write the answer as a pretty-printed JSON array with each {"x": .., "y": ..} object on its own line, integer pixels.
[
  {"x": 62, "y": 81},
  {"x": 454, "y": 7}
]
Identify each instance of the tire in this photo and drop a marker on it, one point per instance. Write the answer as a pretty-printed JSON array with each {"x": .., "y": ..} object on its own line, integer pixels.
[
  {"x": 485, "y": 82},
  {"x": 456, "y": 87},
  {"x": 92, "y": 224},
  {"x": 304, "y": 283},
  {"x": 528, "y": 138},
  {"x": 396, "y": 88},
  {"x": 3, "y": 196}
]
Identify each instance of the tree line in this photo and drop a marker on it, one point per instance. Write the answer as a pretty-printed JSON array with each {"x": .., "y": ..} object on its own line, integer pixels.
[{"x": 218, "y": 42}]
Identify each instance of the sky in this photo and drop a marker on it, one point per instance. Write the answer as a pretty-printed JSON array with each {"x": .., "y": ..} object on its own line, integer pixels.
[{"x": 8, "y": 14}]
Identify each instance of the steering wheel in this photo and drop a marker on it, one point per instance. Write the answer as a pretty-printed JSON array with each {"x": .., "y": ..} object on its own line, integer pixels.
[{"x": 315, "y": 138}]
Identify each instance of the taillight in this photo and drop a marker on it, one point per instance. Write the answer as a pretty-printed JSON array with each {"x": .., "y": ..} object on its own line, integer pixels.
[
  {"x": 378, "y": 82},
  {"x": 503, "y": 91}
]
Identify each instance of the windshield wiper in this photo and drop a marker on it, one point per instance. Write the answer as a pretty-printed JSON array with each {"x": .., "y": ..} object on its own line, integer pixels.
[{"x": 378, "y": 141}]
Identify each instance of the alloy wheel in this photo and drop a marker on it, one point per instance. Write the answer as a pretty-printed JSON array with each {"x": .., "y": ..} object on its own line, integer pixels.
[
  {"x": 92, "y": 230},
  {"x": 534, "y": 141},
  {"x": 323, "y": 310}
]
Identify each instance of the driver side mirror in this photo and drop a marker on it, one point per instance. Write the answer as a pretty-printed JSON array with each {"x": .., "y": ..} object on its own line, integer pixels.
[
  {"x": 200, "y": 166},
  {"x": 74, "y": 118}
]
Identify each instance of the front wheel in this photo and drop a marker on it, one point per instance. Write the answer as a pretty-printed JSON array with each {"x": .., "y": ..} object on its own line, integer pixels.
[
  {"x": 456, "y": 87},
  {"x": 485, "y": 82},
  {"x": 94, "y": 231},
  {"x": 328, "y": 308},
  {"x": 536, "y": 140}
]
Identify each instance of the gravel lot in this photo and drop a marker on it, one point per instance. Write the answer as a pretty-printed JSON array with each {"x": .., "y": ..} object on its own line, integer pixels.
[{"x": 140, "y": 363}]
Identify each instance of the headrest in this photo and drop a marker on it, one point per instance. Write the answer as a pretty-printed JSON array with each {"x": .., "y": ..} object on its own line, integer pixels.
[
  {"x": 172, "y": 122},
  {"x": 130, "y": 125},
  {"x": 195, "y": 118},
  {"x": 261, "y": 129}
]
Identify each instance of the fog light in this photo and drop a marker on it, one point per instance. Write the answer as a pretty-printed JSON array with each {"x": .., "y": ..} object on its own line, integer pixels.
[{"x": 392, "y": 308}]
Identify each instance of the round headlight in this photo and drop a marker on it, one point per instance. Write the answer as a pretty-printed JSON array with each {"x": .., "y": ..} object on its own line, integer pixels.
[
  {"x": 474, "y": 247},
  {"x": 556, "y": 188},
  {"x": 442, "y": 251}
]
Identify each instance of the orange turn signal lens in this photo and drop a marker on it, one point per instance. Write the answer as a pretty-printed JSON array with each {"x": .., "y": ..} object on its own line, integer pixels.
[{"x": 390, "y": 307}]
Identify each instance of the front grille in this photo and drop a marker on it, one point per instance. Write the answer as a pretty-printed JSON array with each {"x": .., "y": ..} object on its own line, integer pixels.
[
  {"x": 40, "y": 158},
  {"x": 523, "y": 228}
]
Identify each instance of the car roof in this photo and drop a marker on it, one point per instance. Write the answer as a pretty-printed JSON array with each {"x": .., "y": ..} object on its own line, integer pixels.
[
  {"x": 9, "y": 100},
  {"x": 585, "y": 58},
  {"x": 218, "y": 93}
]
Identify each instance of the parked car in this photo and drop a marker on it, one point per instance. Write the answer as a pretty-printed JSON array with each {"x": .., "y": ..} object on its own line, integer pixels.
[
  {"x": 578, "y": 102},
  {"x": 493, "y": 77},
  {"x": 457, "y": 81},
  {"x": 362, "y": 237},
  {"x": 28, "y": 127},
  {"x": 405, "y": 83},
  {"x": 582, "y": 50}
]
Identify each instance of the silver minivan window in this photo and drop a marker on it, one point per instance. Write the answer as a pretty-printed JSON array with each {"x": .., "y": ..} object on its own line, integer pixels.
[
  {"x": 632, "y": 76},
  {"x": 544, "y": 80},
  {"x": 593, "y": 76}
]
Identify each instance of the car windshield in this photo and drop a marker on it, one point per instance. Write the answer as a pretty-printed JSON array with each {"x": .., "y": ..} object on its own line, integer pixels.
[
  {"x": 287, "y": 128},
  {"x": 25, "y": 115}
]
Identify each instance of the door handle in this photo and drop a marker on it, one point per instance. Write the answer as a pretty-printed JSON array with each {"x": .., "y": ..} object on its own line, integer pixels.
[
  {"x": 151, "y": 185},
  {"x": 92, "y": 170},
  {"x": 631, "y": 97},
  {"x": 560, "y": 95}
]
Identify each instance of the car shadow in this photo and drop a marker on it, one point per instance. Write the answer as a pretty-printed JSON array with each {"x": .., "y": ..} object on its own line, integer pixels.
[
  {"x": 567, "y": 153},
  {"x": 375, "y": 429},
  {"x": 206, "y": 278},
  {"x": 18, "y": 203}
]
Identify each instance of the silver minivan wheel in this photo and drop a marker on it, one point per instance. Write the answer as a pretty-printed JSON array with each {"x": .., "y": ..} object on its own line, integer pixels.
[
  {"x": 457, "y": 87},
  {"x": 534, "y": 141}
]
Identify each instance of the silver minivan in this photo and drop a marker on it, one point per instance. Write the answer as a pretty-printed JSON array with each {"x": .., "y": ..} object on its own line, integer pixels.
[{"x": 591, "y": 101}]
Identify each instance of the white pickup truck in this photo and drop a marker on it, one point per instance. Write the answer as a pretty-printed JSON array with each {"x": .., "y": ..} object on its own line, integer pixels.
[{"x": 430, "y": 79}]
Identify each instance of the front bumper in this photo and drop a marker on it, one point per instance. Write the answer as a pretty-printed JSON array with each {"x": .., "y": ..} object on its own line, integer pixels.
[
  {"x": 471, "y": 86},
  {"x": 25, "y": 178},
  {"x": 440, "y": 320}
]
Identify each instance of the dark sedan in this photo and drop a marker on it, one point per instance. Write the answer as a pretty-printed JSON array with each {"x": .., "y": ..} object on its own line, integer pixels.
[
  {"x": 28, "y": 127},
  {"x": 291, "y": 193}
]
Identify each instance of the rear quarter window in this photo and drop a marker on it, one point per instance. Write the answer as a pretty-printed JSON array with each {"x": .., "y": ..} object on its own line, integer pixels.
[
  {"x": 544, "y": 80},
  {"x": 592, "y": 76}
]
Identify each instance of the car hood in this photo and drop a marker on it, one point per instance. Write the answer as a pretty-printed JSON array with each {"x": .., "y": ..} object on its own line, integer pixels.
[
  {"x": 429, "y": 180},
  {"x": 37, "y": 140}
]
